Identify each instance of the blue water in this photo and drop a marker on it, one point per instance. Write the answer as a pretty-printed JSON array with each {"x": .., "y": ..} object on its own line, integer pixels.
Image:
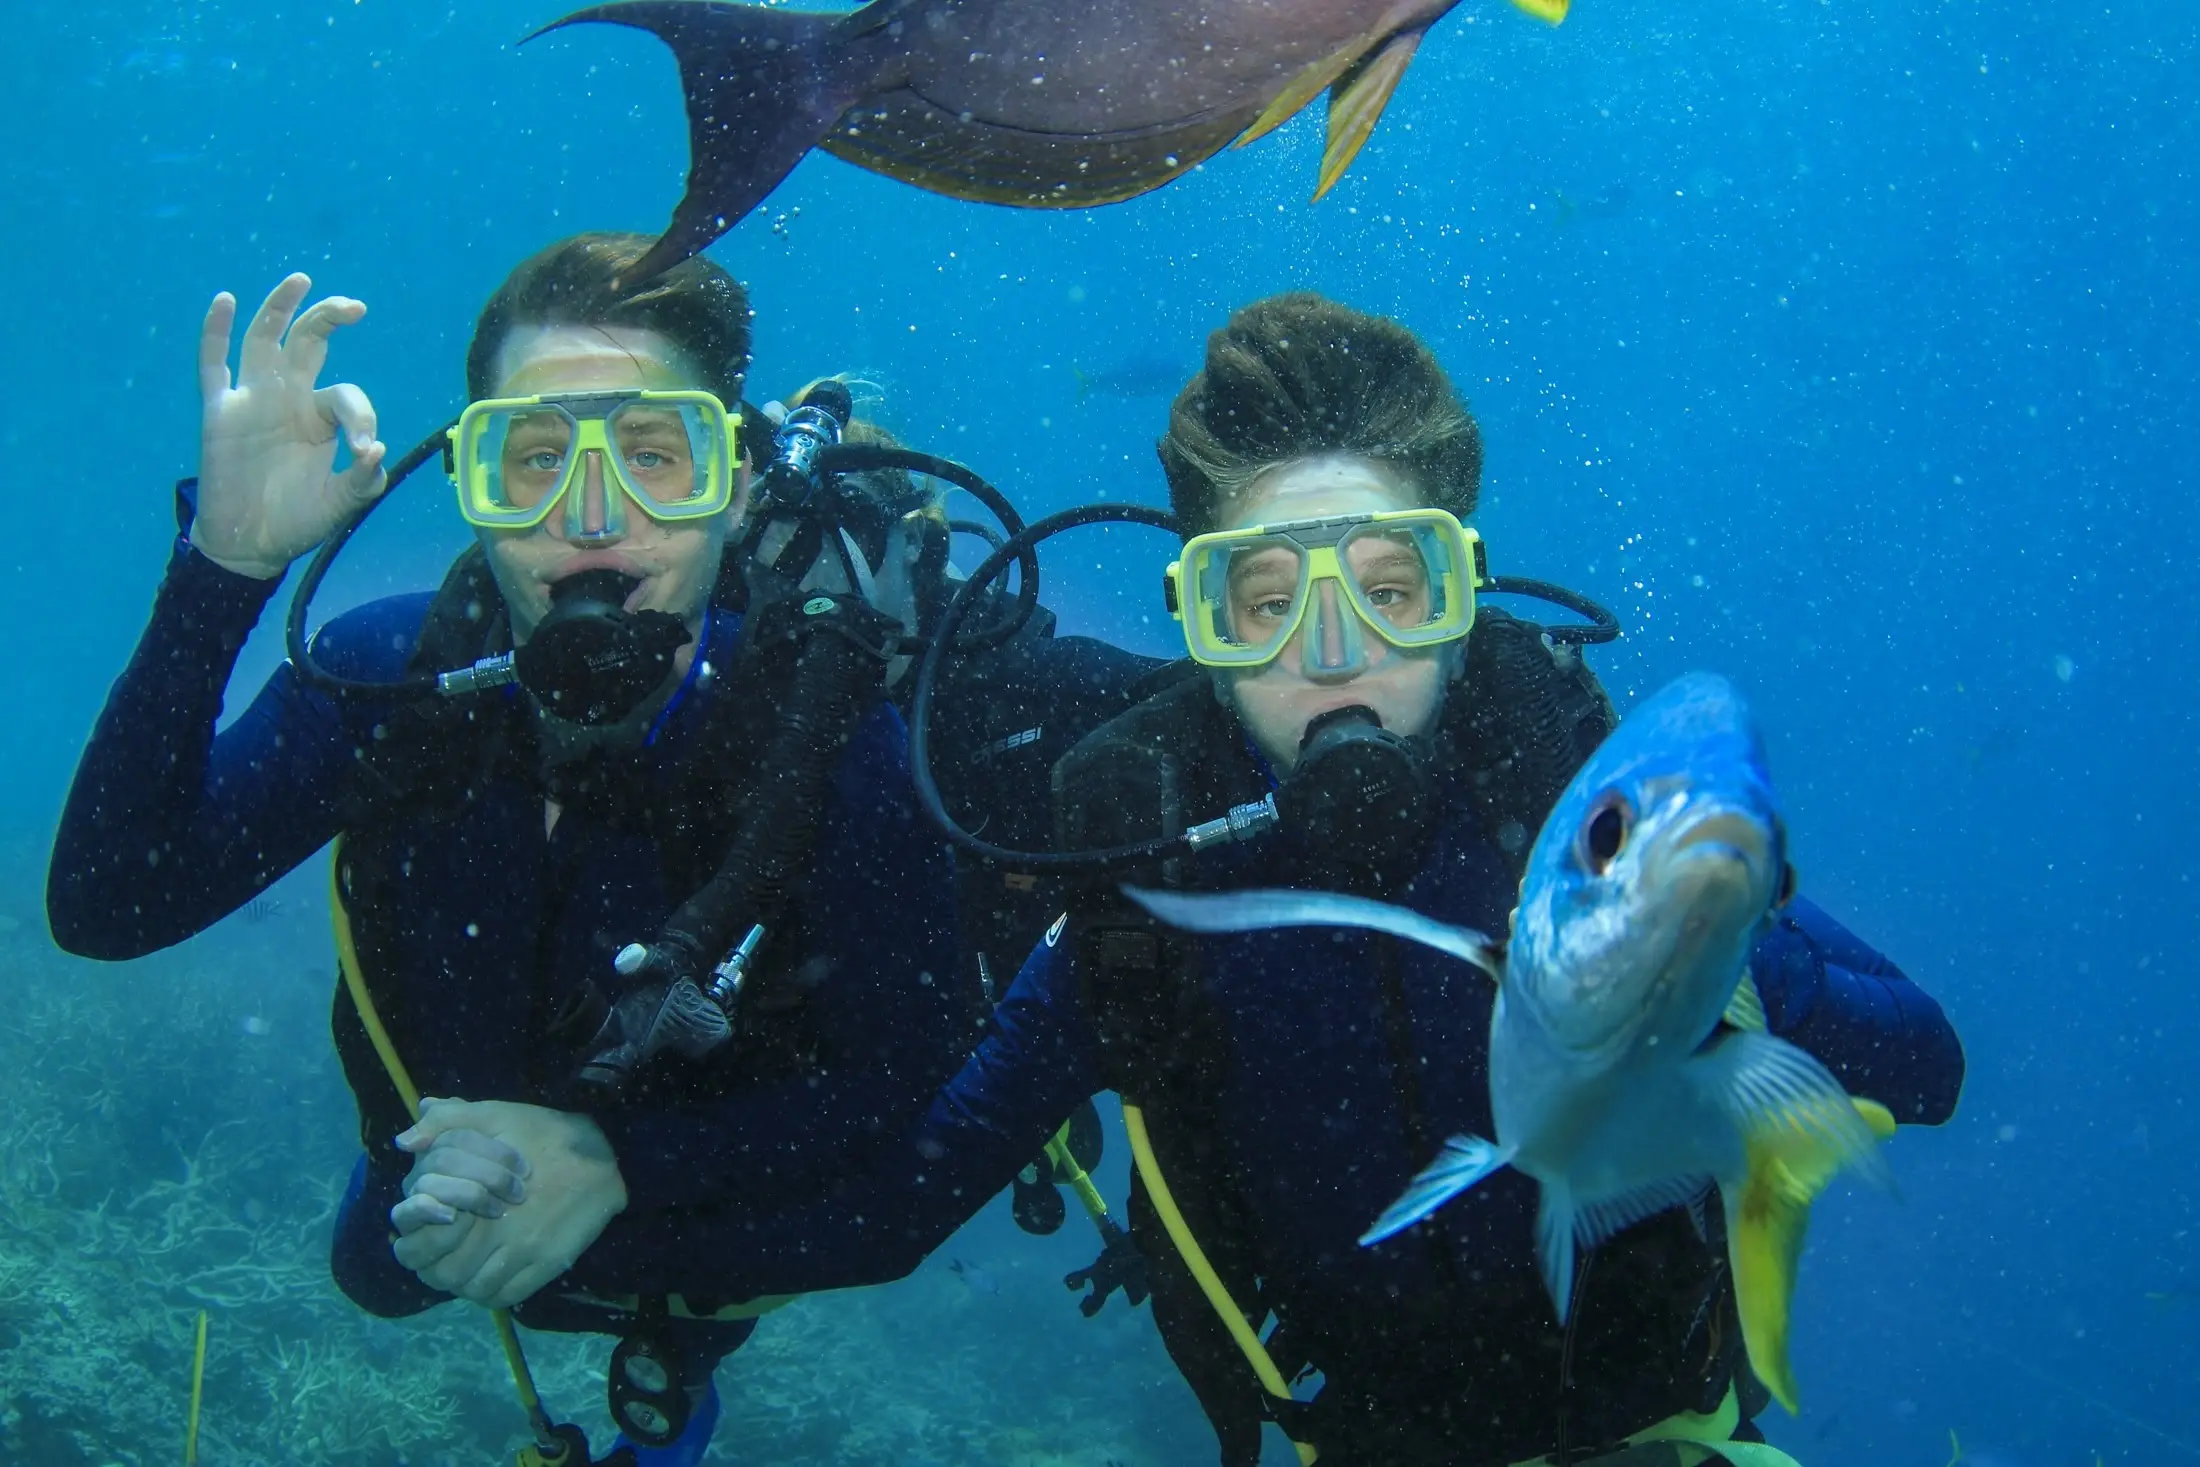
[{"x": 1844, "y": 346}]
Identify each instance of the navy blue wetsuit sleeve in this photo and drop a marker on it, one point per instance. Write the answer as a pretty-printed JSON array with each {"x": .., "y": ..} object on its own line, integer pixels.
[
  {"x": 1882, "y": 1036},
  {"x": 168, "y": 827},
  {"x": 880, "y": 933},
  {"x": 1034, "y": 1067}
]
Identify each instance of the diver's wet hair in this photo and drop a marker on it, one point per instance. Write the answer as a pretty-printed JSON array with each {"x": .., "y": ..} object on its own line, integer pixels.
[
  {"x": 1297, "y": 376},
  {"x": 695, "y": 305}
]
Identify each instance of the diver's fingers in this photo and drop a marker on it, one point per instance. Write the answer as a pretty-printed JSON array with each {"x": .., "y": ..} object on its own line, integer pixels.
[
  {"x": 418, "y": 1213},
  {"x": 364, "y": 480},
  {"x": 305, "y": 350},
  {"x": 437, "y": 1115},
  {"x": 446, "y": 1160},
  {"x": 347, "y": 408},
  {"x": 262, "y": 352},
  {"x": 221, "y": 318},
  {"x": 466, "y": 1194},
  {"x": 500, "y": 1154}
]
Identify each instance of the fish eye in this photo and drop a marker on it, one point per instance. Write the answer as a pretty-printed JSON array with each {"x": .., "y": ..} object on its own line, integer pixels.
[
  {"x": 1786, "y": 893},
  {"x": 1605, "y": 836}
]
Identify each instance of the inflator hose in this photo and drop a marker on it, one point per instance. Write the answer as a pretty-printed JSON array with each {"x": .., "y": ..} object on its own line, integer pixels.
[{"x": 835, "y": 682}]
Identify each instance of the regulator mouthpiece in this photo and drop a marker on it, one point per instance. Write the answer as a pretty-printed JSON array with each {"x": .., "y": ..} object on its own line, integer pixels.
[{"x": 591, "y": 661}]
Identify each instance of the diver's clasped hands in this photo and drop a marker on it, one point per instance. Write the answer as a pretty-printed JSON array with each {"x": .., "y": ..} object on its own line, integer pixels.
[
  {"x": 503, "y": 1197},
  {"x": 269, "y": 489}
]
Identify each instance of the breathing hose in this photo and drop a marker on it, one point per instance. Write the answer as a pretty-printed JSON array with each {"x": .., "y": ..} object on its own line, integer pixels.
[
  {"x": 316, "y": 571},
  {"x": 1019, "y": 547}
]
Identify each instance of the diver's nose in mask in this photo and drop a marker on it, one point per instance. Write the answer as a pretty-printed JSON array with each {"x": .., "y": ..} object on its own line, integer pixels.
[{"x": 1330, "y": 643}]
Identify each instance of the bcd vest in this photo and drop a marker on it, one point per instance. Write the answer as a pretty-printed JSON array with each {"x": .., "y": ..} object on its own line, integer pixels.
[
  {"x": 1472, "y": 1374},
  {"x": 428, "y": 777}
]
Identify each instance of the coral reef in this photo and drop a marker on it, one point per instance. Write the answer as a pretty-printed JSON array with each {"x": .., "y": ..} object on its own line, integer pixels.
[{"x": 177, "y": 1138}]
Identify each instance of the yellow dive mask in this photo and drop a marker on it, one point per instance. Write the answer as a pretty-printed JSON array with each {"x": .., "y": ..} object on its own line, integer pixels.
[
  {"x": 672, "y": 454},
  {"x": 1408, "y": 575}
]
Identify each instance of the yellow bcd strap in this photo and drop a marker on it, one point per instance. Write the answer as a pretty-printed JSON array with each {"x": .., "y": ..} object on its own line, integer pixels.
[
  {"x": 550, "y": 1448},
  {"x": 1195, "y": 1259},
  {"x": 355, "y": 983}
]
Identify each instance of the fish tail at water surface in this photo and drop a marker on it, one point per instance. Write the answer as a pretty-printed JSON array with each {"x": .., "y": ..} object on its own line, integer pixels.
[{"x": 763, "y": 86}]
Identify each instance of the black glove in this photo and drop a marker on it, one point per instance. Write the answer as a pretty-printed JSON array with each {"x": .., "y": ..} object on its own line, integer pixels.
[{"x": 1119, "y": 1266}]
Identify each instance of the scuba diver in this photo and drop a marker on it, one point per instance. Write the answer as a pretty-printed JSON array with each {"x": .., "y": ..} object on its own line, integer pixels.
[
  {"x": 1362, "y": 725},
  {"x": 637, "y": 874}
]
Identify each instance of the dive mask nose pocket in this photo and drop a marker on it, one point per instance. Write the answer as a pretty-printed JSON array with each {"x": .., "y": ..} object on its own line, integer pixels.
[{"x": 1409, "y": 576}]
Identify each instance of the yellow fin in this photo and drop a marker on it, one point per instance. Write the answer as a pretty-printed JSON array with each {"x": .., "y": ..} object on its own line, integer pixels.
[
  {"x": 1746, "y": 1009},
  {"x": 1549, "y": 11},
  {"x": 1356, "y": 105},
  {"x": 1305, "y": 87},
  {"x": 1875, "y": 1115},
  {"x": 1767, "y": 1215}
]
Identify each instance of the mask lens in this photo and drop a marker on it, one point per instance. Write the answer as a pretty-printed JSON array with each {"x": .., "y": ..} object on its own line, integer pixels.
[
  {"x": 666, "y": 454},
  {"x": 1390, "y": 573},
  {"x": 519, "y": 459},
  {"x": 1249, "y": 596}
]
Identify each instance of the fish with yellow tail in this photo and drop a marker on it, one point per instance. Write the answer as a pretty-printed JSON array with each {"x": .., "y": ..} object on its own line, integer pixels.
[
  {"x": 1024, "y": 102},
  {"x": 1630, "y": 1067}
]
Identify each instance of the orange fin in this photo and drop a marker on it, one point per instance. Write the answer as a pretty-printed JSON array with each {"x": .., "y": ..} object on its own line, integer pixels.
[
  {"x": 1356, "y": 104},
  {"x": 1550, "y": 11},
  {"x": 1306, "y": 86}
]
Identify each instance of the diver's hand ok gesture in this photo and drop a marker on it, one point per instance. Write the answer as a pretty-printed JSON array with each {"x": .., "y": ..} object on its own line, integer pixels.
[{"x": 269, "y": 490}]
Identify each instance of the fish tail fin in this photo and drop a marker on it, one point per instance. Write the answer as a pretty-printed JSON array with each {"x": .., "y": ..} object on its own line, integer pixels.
[
  {"x": 1550, "y": 12},
  {"x": 1464, "y": 1161},
  {"x": 763, "y": 86},
  {"x": 1084, "y": 384},
  {"x": 1799, "y": 1129},
  {"x": 1554, "y": 1246}
]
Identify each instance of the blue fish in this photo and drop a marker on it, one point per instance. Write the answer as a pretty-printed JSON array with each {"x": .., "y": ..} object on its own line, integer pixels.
[
  {"x": 1629, "y": 1065},
  {"x": 978, "y": 1279}
]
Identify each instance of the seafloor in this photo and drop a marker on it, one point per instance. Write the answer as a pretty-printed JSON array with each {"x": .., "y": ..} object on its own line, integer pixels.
[{"x": 176, "y": 1138}]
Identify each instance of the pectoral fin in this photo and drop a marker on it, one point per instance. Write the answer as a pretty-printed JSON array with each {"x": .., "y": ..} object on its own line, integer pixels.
[
  {"x": 1746, "y": 1009},
  {"x": 1464, "y": 1161},
  {"x": 1249, "y": 911},
  {"x": 1356, "y": 104},
  {"x": 1802, "y": 1129}
]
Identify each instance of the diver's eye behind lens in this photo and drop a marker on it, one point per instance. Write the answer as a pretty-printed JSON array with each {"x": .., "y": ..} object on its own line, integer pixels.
[
  {"x": 532, "y": 460},
  {"x": 1392, "y": 575},
  {"x": 657, "y": 452},
  {"x": 1605, "y": 835}
]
